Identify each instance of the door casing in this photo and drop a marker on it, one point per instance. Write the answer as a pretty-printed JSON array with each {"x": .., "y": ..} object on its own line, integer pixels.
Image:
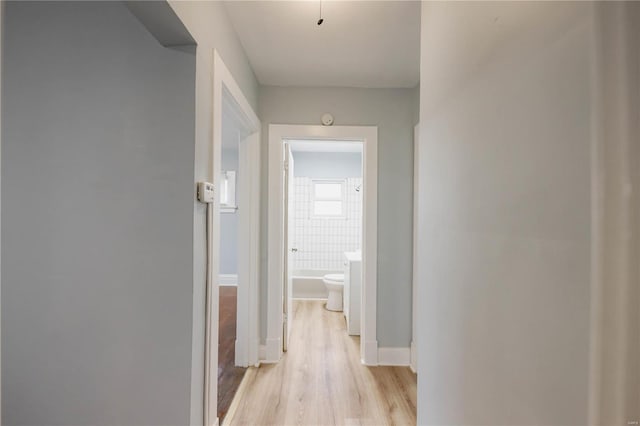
[{"x": 368, "y": 136}]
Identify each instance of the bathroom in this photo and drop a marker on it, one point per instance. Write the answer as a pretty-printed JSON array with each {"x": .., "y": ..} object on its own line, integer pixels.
[{"x": 325, "y": 225}]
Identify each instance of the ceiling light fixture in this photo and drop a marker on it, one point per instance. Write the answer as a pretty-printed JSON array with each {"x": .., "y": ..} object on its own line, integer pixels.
[{"x": 321, "y": 20}]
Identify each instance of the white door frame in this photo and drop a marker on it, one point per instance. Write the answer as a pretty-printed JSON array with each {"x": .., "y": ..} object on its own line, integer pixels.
[
  {"x": 1, "y": 32},
  {"x": 368, "y": 135},
  {"x": 416, "y": 247},
  {"x": 227, "y": 92}
]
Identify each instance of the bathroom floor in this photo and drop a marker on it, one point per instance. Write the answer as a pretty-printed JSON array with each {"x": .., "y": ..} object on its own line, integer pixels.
[
  {"x": 320, "y": 380},
  {"x": 229, "y": 376}
]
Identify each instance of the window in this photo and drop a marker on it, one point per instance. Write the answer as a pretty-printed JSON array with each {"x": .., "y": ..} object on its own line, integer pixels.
[
  {"x": 328, "y": 198},
  {"x": 228, "y": 192}
]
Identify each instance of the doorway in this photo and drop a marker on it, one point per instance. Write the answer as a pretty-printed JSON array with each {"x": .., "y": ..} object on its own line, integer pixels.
[
  {"x": 230, "y": 364},
  {"x": 235, "y": 160},
  {"x": 323, "y": 227},
  {"x": 280, "y": 287}
]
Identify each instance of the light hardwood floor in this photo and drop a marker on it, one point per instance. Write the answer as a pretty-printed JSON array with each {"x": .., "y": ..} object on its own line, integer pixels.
[{"x": 320, "y": 381}]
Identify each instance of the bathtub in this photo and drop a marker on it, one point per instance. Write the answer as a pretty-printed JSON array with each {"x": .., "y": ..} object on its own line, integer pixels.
[{"x": 307, "y": 283}]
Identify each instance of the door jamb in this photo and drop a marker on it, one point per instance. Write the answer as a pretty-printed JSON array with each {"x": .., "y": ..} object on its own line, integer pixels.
[
  {"x": 1, "y": 32},
  {"x": 413, "y": 364}
]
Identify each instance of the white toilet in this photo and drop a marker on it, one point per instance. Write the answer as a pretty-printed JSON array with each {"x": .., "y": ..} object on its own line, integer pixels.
[{"x": 334, "y": 284}]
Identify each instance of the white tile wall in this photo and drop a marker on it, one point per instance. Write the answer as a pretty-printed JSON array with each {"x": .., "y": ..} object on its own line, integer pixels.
[{"x": 321, "y": 242}]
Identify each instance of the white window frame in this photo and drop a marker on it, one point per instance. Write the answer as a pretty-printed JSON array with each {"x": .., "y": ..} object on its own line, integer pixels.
[
  {"x": 228, "y": 179},
  {"x": 342, "y": 199}
]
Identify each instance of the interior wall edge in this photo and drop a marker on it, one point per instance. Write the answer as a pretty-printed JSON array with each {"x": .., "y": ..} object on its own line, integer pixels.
[
  {"x": 614, "y": 377},
  {"x": 1, "y": 57}
]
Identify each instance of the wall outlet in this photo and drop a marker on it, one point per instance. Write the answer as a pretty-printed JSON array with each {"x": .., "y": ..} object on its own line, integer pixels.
[{"x": 205, "y": 192}]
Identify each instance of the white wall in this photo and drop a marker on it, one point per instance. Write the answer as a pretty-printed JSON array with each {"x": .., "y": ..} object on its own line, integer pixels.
[
  {"x": 321, "y": 241},
  {"x": 328, "y": 164},
  {"x": 210, "y": 26},
  {"x": 615, "y": 361},
  {"x": 97, "y": 169},
  {"x": 392, "y": 111},
  {"x": 505, "y": 148}
]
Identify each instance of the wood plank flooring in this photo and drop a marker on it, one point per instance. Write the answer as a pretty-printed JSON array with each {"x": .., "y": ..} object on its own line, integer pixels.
[
  {"x": 320, "y": 381},
  {"x": 229, "y": 376}
]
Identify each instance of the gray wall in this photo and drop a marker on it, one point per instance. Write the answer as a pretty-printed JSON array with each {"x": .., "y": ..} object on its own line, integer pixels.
[
  {"x": 97, "y": 187},
  {"x": 229, "y": 221},
  {"x": 505, "y": 242},
  {"x": 392, "y": 111},
  {"x": 327, "y": 164}
]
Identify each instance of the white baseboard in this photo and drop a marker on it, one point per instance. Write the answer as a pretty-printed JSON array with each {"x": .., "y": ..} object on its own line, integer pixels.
[
  {"x": 228, "y": 280},
  {"x": 262, "y": 353},
  {"x": 271, "y": 351},
  {"x": 239, "y": 362},
  {"x": 414, "y": 358},
  {"x": 254, "y": 353},
  {"x": 394, "y": 356},
  {"x": 369, "y": 352}
]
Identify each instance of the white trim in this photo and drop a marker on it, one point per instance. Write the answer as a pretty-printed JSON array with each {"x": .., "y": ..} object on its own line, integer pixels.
[
  {"x": 368, "y": 135},
  {"x": 615, "y": 219},
  {"x": 394, "y": 356},
  {"x": 413, "y": 362},
  {"x": 228, "y": 280},
  {"x": 416, "y": 247},
  {"x": 225, "y": 89},
  {"x": 1, "y": 32},
  {"x": 272, "y": 351},
  {"x": 248, "y": 327},
  {"x": 368, "y": 351}
]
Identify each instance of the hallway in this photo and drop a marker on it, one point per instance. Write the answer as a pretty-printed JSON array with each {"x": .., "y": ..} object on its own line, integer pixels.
[
  {"x": 320, "y": 380},
  {"x": 154, "y": 230}
]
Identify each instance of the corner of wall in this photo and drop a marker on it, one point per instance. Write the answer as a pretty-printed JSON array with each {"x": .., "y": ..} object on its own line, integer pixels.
[
  {"x": 416, "y": 105},
  {"x": 1, "y": 53}
]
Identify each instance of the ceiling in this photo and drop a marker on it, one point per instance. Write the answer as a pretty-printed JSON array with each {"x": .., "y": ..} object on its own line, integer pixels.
[{"x": 373, "y": 44}]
